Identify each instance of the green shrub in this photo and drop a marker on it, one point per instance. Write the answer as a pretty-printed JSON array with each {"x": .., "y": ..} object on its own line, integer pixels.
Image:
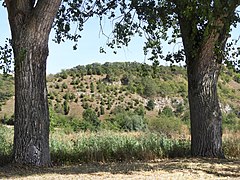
[
  {"x": 129, "y": 121},
  {"x": 110, "y": 124},
  {"x": 92, "y": 87},
  {"x": 102, "y": 111},
  {"x": 8, "y": 120},
  {"x": 165, "y": 125},
  {"x": 59, "y": 121},
  {"x": 231, "y": 122},
  {"x": 150, "y": 105},
  {"x": 91, "y": 117},
  {"x": 51, "y": 95},
  {"x": 58, "y": 98},
  {"x": 167, "y": 111},
  {"x": 186, "y": 117},
  {"x": 66, "y": 96},
  {"x": 63, "y": 75},
  {"x": 66, "y": 107},
  {"x": 85, "y": 105},
  {"x": 64, "y": 85},
  {"x": 118, "y": 109},
  {"x": 179, "y": 109},
  {"x": 237, "y": 78},
  {"x": 140, "y": 110},
  {"x": 58, "y": 108},
  {"x": 149, "y": 87},
  {"x": 85, "y": 125}
]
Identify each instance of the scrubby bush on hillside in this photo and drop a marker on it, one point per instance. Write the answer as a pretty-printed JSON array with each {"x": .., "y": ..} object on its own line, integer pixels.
[
  {"x": 165, "y": 125},
  {"x": 91, "y": 117},
  {"x": 8, "y": 120},
  {"x": 66, "y": 107},
  {"x": 58, "y": 108},
  {"x": 167, "y": 111},
  {"x": 92, "y": 87},
  {"x": 85, "y": 105},
  {"x": 140, "y": 110},
  {"x": 51, "y": 95},
  {"x": 150, "y": 105},
  {"x": 64, "y": 85},
  {"x": 150, "y": 87},
  {"x": 63, "y": 75},
  {"x": 58, "y": 98},
  {"x": 118, "y": 109},
  {"x": 179, "y": 109},
  {"x": 237, "y": 78},
  {"x": 102, "y": 111},
  {"x": 231, "y": 122},
  {"x": 129, "y": 121}
]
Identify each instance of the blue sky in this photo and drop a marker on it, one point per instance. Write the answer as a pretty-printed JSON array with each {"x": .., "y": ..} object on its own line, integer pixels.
[{"x": 63, "y": 56}]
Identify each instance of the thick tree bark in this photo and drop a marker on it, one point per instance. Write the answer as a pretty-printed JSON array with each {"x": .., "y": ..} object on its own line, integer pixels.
[
  {"x": 30, "y": 28},
  {"x": 31, "y": 129},
  {"x": 205, "y": 113}
]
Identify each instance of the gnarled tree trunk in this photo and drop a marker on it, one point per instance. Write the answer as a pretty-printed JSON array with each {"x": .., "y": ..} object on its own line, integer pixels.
[{"x": 30, "y": 28}]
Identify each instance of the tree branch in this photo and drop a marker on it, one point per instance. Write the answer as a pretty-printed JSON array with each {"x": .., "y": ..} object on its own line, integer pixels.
[{"x": 45, "y": 11}]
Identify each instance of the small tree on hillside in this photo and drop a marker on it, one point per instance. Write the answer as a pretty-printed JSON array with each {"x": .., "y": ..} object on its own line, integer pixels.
[
  {"x": 66, "y": 107},
  {"x": 92, "y": 87},
  {"x": 102, "y": 111}
]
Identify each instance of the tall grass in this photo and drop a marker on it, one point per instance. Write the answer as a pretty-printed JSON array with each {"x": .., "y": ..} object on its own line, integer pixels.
[
  {"x": 112, "y": 146},
  {"x": 107, "y": 146},
  {"x": 6, "y": 144},
  {"x": 231, "y": 144}
]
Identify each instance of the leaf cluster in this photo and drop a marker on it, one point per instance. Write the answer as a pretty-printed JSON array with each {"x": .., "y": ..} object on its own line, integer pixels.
[
  {"x": 6, "y": 59},
  {"x": 73, "y": 14}
]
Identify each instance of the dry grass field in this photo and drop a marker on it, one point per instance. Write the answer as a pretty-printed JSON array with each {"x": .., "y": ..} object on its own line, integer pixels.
[{"x": 161, "y": 169}]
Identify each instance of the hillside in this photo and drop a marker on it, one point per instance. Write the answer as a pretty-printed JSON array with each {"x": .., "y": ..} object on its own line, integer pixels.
[
  {"x": 6, "y": 89},
  {"x": 132, "y": 88}
]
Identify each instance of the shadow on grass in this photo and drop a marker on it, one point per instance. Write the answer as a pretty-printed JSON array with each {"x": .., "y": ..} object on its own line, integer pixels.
[{"x": 219, "y": 168}]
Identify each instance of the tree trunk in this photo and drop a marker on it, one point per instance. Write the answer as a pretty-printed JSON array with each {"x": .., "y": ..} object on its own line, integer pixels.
[
  {"x": 203, "y": 50},
  {"x": 205, "y": 113},
  {"x": 30, "y": 27},
  {"x": 31, "y": 130}
]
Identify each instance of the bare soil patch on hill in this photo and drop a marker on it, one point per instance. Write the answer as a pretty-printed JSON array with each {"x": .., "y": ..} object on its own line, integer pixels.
[{"x": 161, "y": 169}]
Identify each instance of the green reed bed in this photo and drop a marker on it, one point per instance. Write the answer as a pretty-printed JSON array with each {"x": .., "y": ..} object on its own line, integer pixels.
[
  {"x": 112, "y": 146},
  {"x": 107, "y": 146}
]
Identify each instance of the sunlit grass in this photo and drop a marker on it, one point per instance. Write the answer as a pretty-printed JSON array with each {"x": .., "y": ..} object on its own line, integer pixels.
[{"x": 108, "y": 146}]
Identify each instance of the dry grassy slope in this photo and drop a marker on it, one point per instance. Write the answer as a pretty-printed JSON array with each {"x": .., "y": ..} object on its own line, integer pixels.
[
  {"x": 76, "y": 108},
  {"x": 232, "y": 95}
]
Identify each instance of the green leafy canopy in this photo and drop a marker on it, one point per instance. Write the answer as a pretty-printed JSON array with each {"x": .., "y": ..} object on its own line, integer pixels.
[{"x": 161, "y": 20}]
